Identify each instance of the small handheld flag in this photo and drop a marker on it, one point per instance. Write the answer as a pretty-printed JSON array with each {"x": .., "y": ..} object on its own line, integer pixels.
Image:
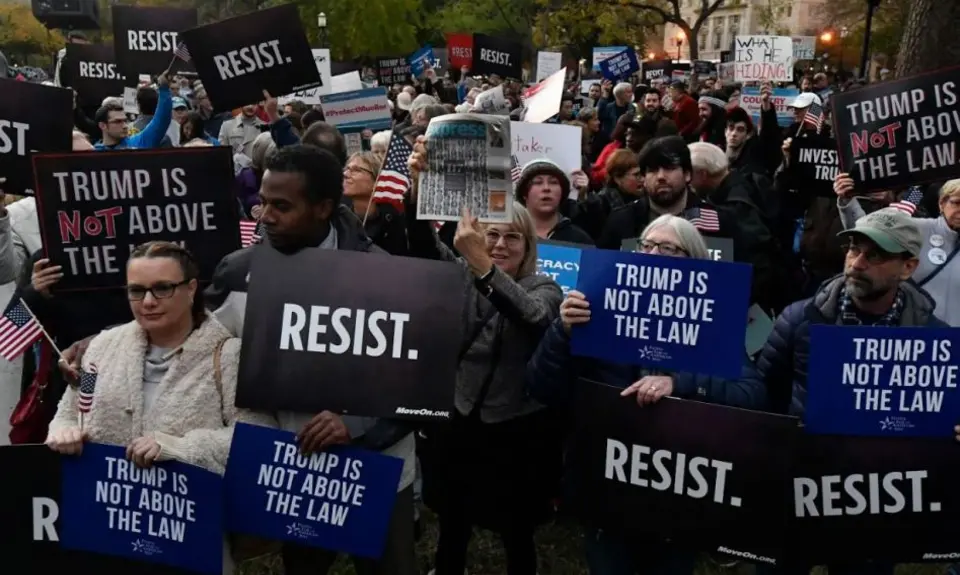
[
  {"x": 182, "y": 52},
  {"x": 88, "y": 385},
  {"x": 814, "y": 116},
  {"x": 394, "y": 178},
  {"x": 251, "y": 232},
  {"x": 19, "y": 329},
  {"x": 910, "y": 200}
]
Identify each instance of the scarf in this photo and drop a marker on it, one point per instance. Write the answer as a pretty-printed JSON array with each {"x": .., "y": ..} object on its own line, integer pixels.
[{"x": 848, "y": 315}]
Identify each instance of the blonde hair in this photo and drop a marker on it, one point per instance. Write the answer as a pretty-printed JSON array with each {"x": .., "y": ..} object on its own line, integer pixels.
[
  {"x": 380, "y": 142},
  {"x": 950, "y": 188},
  {"x": 369, "y": 160},
  {"x": 523, "y": 223},
  {"x": 688, "y": 237}
]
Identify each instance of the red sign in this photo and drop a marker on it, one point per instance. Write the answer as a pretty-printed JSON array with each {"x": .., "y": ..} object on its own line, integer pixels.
[{"x": 460, "y": 50}]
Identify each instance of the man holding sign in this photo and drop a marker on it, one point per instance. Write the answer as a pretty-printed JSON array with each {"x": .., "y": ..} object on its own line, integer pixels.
[{"x": 112, "y": 121}]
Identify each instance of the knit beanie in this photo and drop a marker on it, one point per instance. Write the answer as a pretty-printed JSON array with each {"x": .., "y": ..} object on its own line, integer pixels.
[{"x": 538, "y": 167}]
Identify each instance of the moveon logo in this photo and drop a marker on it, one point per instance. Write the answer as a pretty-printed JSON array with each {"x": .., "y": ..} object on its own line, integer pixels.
[
  {"x": 421, "y": 412},
  {"x": 746, "y": 555},
  {"x": 940, "y": 556}
]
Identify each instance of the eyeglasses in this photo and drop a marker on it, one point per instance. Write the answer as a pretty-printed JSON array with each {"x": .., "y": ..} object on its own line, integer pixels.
[
  {"x": 665, "y": 248},
  {"x": 357, "y": 170},
  {"x": 161, "y": 290},
  {"x": 512, "y": 239},
  {"x": 118, "y": 121},
  {"x": 874, "y": 257}
]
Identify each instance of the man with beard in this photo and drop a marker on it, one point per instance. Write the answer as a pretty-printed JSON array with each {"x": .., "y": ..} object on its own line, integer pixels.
[
  {"x": 651, "y": 108},
  {"x": 713, "y": 118},
  {"x": 667, "y": 170}
]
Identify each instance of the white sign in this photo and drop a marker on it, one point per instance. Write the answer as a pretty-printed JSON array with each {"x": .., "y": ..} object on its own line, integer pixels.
[
  {"x": 543, "y": 100},
  {"x": 349, "y": 82},
  {"x": 312, "y": 96},
  {"x": 130, "y": 101},
  {"x": 804, "y": 47},
  {"x": 763, "y": 59},
  {"x": 548, "y": 63},
  {"x": 357, "y": 110},
  {"x": 727, "y": 73},
  {"x": 559, "y": 143},
  {"x": 585, "y": 84}
]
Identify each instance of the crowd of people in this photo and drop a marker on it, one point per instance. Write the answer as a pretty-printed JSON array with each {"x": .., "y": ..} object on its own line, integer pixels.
[{"x": 666, "y": 165}]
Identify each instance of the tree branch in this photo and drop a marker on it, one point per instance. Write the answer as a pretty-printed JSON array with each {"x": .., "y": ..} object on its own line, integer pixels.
[
  {"x": 705, "y": 11},
  {"x": 503, "y": 14},
  {"x": 664, "y": 15}
]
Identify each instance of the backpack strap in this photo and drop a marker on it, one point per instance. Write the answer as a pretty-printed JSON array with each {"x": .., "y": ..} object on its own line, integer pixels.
[{"x": 218, "y": 371}]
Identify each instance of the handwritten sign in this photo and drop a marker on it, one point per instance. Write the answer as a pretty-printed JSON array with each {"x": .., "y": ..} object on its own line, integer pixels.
[
  {"x": 763, "y": 58},
  {"x": 311, "y": 96}
]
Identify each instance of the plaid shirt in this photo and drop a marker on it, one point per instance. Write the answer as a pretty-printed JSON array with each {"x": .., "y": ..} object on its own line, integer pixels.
[{"x": 848, "y": 311}]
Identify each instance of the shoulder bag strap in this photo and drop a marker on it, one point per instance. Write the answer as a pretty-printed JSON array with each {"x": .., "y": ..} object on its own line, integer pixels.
[
  {"x": 941, "y": 267},
  {"x": 218, "y": 371}
]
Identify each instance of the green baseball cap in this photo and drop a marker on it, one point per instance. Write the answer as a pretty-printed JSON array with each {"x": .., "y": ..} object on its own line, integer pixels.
[{"x": 894, "y": 231}]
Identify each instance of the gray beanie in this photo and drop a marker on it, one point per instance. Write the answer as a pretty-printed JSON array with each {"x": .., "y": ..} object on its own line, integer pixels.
[{"x": 535, "y": 168}]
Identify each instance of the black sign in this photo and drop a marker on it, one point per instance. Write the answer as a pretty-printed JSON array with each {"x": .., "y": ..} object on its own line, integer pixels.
[
  {"x": 33, "y": 118},
  {"x": 721, "y": 489},
  {"x": 901, "y": 132},
  {"x": 145, "y": 38},
  {"x": 30, "y": 506},
  {"x": 392, "y": 71},
  {"x": 94, "y": 208},
  {"x": 704, "y": 67},
  {"x": 899, "y": 496},
  {"x": 498, "y": 56},
  {"x": 92, "y": 71},
  {"x": 326, "y": 337},
  {"x": 720, "y": 249},
  {"x": 239, "y": 58},
  {"x": 656, "y": 70},
  {"x": 814, "y": 163}
]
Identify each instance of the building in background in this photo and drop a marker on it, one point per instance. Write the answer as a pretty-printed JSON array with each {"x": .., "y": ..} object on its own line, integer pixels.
[{"x": 744, "y": 17}]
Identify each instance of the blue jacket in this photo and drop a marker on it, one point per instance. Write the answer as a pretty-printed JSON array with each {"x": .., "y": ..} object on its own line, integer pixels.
[
  {"x": 153, "y": 134},
  {"x": 608, "y": 112},
  {"x": 552, "y": 373},
  {"x": 784, "y": 360}
]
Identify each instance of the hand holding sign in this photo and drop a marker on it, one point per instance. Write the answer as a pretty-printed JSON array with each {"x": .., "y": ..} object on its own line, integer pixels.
[
  {"x": 67, "y": 441},
  {"x": 143, "y": 451},
  {"x": 417, "y": 164},
  {"x": 574, "y": 310},
  {"x": 650, "y": 389},
  {"x": 326, "y": 429},
  {"x": 44, "y": 276},
  {"x": 843, "y": 186}
]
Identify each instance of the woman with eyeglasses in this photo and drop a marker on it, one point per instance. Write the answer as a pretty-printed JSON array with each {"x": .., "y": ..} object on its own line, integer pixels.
[
  {"x": 496, "y": 464},
  {"x": 381, "y": 221},
  {"x": 553, "y": 372},
  {"x": 166, "y": 382}
]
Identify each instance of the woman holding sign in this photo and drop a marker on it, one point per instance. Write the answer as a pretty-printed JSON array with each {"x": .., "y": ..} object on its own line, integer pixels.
[
  {"x": 499, "y": 458},
  {"x": 553, "y": 372}
]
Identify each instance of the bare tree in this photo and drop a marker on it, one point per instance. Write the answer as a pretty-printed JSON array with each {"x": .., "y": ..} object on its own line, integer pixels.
[
  {"x": 930, "y": 39},
  {"x": 669, "y": 12}
]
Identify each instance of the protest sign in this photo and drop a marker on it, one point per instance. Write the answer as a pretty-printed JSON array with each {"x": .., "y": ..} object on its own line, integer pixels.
[
  {"x": 804, "y": 47},
  {"x": 543, "y": 100},
  {"x": 898, "y": 496},
  {"x": 500, "y": 56},
  {"x": 882, "y": 381},
  {"x": 95, "y": 208},
  {"x": 655, "y": 70},
  {"x": 603, "y": 52},
  {"x": 311, "y": 96},
  {"x": 559, "y": 261},
  {"x": 30, "y": 536},
  {"x": 900, "y": 133},
  {"x": 395, "y": 341},
  {"x": 392, "y": 71},
  {"x": 664, "y": 312},
  {"x": 460, "y": 50},
  {"x": 91, "y": 71},
  {"x": 558, "y": 143},
  {"x": 349, "y": 82},
  {"x": 751, "y": 103},
  {"x": 726, "y": 73},
  {"x": 240, "y": 57},
  {"x": 704, "y": 68},
  {"x": 170, "y": 513},
  {"x": 145, "y": 38},
  {"x": 763, "y": 58},
  {"x": 421, "y": 60},
  {"x": 361, "y": 109},
  {"x": 339, "y": 499},
  {"x": 814, "y": 162},
  {"x": 33, "y": 118},
  {"x": 720, "y": 249},
  {"x": 710, "y": 489},
  {"x": 620, "y": 66},
  {"x": 548, "y": 63}
]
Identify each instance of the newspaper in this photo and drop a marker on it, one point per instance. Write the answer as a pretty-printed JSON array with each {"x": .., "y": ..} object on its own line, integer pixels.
[{"x": 469, "y": 166}]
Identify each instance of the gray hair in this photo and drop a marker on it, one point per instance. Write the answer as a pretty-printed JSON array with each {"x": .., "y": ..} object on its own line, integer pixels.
[
  {"x": 422, "y": 101},
  {"x": 709, "y": 158},
  {"x": 380, "y": 141},
  {"x": 587, "y": 114},
  {"x": 688, "y": 237},
  {"x": 112, "y": 101},
  {"x": 620, "y": 88},
  {"x": 260, "y": 151}
]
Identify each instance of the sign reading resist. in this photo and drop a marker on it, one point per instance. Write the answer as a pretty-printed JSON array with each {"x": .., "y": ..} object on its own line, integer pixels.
[
  {"x": 170, "y": 513},
  {"x": 900, "y": 133},
  {"x": 239, "y": 58},
  {"x": 883, "y": 381},
  {"x": 339, "y": 499},
  {"x": 498, "y": 56},
  {"x": 395, "y": 340},
  {"x": 671, "y": 313},
  {"x": 95, "y": 208},
  {"x": 33, "y": 118},
  {"x": 815, "y": 163},
  {"x": 92, "y": 71},
  {"x": 145, "y": 37}
]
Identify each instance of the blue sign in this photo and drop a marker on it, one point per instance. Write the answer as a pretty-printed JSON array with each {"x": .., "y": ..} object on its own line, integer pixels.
[
  {"x": 750, "y": 101},
  {"x": 883, "y": 381},
  {"x": 420, "y": 59},
  {"x": 622, "y": 65},
  {"x": 601, "y": 53},
  {"x": 340, "y": 499},
  {"x": 664, "y": 312},
  {"x": 559, "y": 262},
  {"x": 170, "y": 513}
]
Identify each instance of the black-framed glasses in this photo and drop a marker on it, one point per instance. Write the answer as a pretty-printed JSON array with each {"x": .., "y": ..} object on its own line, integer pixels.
[
  {"x": 665, "y": 248},
  {"x": 161, "y": 290}
]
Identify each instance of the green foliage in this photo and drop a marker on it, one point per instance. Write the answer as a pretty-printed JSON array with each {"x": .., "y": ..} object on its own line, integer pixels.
[
  {"x": 22, "y": 36},
  {"x": 588, "y": 23},
  {"x": 886, "y": 33},
  {"x": 507, "y": 18},
  {"x": 373, "y": 28}
]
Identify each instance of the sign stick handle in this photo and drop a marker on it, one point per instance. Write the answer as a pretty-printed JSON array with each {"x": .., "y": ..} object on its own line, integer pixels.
[{"x": 370, "y": 203}]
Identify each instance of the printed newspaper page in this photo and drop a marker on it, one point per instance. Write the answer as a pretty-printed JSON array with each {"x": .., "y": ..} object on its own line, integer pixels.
[{"x": 469, "y": 166}]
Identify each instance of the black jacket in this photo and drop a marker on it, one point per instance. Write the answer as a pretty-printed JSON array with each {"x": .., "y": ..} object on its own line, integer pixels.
[
  {"x": 567, "y": 231},
  {"x": 629, "y": 221}
]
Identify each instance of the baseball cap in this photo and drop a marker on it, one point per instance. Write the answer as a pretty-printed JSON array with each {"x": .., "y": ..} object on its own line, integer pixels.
[
  {"x": 404, "y": 101},
  {"x": 893, "y": 231},
  {"x": 804, "y": 100},
  {"x": 179, "y": 102}
]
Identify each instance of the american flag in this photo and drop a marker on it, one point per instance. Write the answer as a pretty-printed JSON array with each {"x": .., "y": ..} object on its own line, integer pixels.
[
  {"x": 88, "y": 384},
  {"x": 517, "y": 170},
  {"x": 394, "y": 178},
  {"x": 251, "y": 232},
  {"x": 182, "y": 52},
  {"x": 814, "y": 116},
  {"x": 19, "y": 329},
  {"x": 704, "y": 219},
  {"x": 910, "y": 200}
]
